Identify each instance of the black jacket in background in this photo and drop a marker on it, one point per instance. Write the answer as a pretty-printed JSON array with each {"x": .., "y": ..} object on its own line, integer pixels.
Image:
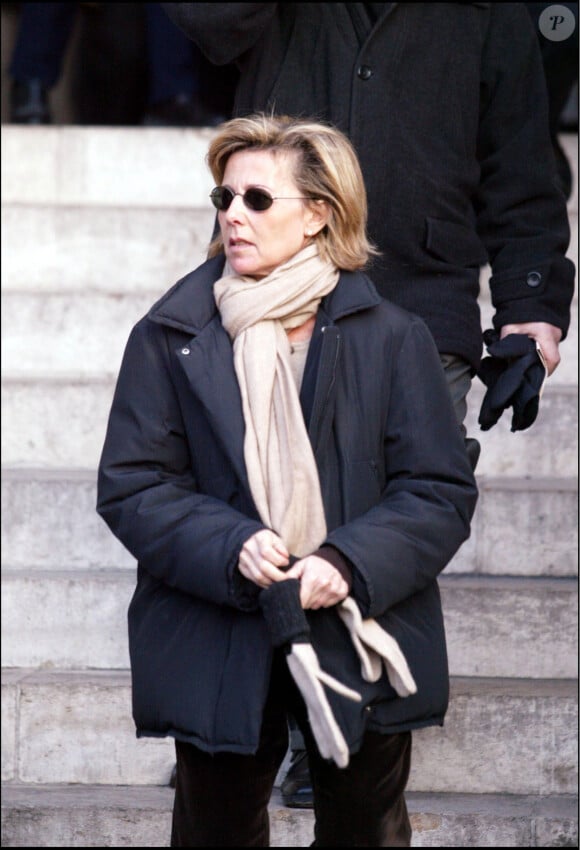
[{"x": 446, "y": 105}]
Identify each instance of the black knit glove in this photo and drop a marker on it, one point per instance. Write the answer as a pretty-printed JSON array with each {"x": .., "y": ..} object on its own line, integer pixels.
[
  {"x": 289, "y": 628},
  {"x": 514, "y": 375}
]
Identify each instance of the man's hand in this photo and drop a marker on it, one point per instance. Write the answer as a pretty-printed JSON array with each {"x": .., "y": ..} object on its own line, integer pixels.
[
  {"x": 321, "y": 584},
  {"x": 547, "y": 336}
]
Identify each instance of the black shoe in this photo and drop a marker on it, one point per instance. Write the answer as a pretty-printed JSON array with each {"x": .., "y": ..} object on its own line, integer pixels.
[
  {"x": 29, "y": 103},
  {"x": 296, "y": 788},
  {"x": 181, "y": 111}
]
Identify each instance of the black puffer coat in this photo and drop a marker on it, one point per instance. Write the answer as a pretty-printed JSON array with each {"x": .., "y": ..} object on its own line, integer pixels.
[
  {"x": 446, "y": 106},
  {"x": 397, "y": 487}
]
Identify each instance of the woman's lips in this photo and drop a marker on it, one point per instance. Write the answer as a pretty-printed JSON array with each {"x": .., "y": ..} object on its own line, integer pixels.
[{"x": 238, "y": 243}]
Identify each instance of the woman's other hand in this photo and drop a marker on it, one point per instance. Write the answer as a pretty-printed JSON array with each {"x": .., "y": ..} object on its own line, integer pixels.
[
  {"x": 262, "y": 557},
  {"x": 321, "y": 584}
]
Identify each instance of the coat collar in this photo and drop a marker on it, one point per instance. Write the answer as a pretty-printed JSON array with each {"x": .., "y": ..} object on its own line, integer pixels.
[{"x": 190, "y": 306}]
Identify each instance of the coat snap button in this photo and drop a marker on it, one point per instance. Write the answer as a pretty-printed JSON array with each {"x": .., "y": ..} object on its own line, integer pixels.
[
  {"x": 185, "y": 350},
  {"x": 534, "y": 279},
  {"x": 364, "y": 72}
]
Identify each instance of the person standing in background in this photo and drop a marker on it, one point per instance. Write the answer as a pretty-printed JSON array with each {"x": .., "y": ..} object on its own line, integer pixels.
[{"x": 133, "y": 66}]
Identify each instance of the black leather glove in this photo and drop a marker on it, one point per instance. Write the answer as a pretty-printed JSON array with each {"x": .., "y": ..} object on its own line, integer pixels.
[
  {"x": 289, "y": 628},
  {"x": 514, "y": 375}
]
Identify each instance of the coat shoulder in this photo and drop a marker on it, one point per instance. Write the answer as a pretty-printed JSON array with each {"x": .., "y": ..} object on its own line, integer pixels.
[
  {"x": 357, "y": 293},
  {"x": 189, "y": 304}
]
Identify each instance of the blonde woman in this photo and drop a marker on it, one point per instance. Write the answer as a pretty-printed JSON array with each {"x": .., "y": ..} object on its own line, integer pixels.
[{"x": 278, "y": 425}]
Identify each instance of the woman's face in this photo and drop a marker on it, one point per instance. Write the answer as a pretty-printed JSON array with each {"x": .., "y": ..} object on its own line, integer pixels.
[{"x": 256, "y": 242}]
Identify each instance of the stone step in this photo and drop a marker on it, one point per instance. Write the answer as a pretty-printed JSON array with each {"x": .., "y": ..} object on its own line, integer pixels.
[
  {"x": 491, "y": 624},
  {"x": 60, "y": 423},
  {"x": 522, "y": 526},
  {"x": 85, "y": 332},
  {"x": 124, "y": 166},
  {"x": 66, "y": 619},
  {"x": 78, "y": 620},
  {"x": 88, "y": 331},
  {"x": 105, "y": 250},
  {"x": 86, "y": 249},
  {"x": 548, "y": 448},
  {"x": 122, "y": 816},
  {"x": 106, "y": 166},
  {"x": 500, "y": 736},
  {"x": 49, "y": 521}
]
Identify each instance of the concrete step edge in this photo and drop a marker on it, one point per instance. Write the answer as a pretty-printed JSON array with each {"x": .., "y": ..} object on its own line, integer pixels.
[
  {"x": 476, "y": 686},
  {"x": 112, "y": 206},
  {"x": 566, "y": 484},
  {"x": 485, "y": 481},
  {"x": 158, "y": 796},
  {"x": 457, "y": 581},
  {"x": 79, "y": 378},
  {"x": 33, "y": 814}
]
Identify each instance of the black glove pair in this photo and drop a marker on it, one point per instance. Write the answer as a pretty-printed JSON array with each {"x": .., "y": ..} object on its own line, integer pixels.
[
  {"x": 514, "y": 375},
  {"x": 286, "y": 620}
]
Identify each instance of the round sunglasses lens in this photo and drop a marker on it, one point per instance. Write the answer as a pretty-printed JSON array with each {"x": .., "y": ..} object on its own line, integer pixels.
[
  {"x": 258, "y": 200},
  {"x": 221, "y": 197}
]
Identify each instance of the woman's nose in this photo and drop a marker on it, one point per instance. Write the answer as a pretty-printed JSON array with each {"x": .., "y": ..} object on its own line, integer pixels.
[{"x": 236, "y": 209}]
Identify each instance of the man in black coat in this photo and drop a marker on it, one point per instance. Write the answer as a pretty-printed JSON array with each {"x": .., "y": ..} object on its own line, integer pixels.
[{"x": 446, "y": 105}]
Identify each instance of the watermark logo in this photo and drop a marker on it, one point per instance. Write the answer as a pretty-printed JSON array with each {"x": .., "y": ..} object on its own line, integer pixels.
[{"x": 557, "y": 23}]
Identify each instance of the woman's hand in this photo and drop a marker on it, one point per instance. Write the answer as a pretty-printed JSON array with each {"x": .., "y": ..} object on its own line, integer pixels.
[
  {"x": 262, "y": 556},
  {"x": 321, "y": 584}
]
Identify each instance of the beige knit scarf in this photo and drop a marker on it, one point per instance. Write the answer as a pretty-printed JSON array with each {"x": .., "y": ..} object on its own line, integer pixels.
[{"x": 281, "y": 468}]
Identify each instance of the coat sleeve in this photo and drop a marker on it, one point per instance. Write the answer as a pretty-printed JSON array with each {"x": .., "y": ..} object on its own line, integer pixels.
[
  {"x": 428, "y": 495},
  {"x": 147, "y": 493},
  {"x": 522, "y": 215},
  {"x": 223, "y": 31}
]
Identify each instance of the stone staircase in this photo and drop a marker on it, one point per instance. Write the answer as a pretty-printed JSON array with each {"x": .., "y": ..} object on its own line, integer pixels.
[{"x": 97, "y": 223}]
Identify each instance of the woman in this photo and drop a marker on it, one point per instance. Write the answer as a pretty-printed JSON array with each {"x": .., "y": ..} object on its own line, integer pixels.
[{"x": 275, "y": 421}]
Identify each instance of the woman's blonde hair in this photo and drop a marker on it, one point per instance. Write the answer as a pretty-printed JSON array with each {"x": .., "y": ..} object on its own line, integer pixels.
[{"x": 326, "y": 168}]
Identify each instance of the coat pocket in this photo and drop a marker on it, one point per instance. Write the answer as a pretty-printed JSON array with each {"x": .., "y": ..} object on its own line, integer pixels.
[{"x": 454, "y": 243}]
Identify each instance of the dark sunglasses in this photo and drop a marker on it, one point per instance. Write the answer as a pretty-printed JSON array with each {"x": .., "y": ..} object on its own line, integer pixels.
[{"x": 257, "y": 200}]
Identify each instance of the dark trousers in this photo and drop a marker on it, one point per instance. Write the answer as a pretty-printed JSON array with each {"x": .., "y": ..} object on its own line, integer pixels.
[
  {"x": 221, "y": 800},
  {"x": 44, "y": 30},
  {"x": 174, "y": 60}
]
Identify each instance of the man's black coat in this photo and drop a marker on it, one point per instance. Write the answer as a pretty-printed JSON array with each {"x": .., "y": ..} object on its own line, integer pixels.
[
  {"x": 397, "y": 489},
  {"x": 447, "y": 108}
]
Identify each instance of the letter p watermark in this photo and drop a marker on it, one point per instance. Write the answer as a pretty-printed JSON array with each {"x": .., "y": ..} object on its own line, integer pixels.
[{"x": 557, "y": 23}]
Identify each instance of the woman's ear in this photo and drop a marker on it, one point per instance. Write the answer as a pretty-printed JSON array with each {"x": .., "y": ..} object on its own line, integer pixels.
[{"x": 317, "y": 217}]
